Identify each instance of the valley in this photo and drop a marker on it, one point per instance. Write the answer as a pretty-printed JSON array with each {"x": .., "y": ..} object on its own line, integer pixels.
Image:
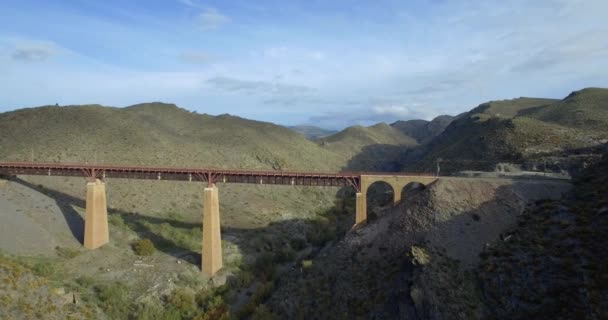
[{"x": 292, "y": 251}]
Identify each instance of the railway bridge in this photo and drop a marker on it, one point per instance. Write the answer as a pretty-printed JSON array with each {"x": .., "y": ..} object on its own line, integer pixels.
[{"x": 96, "y": 232}]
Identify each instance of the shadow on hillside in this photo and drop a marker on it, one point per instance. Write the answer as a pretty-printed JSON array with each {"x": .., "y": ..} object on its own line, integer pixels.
[
  {"x": 251, "y": 242},
  {"x": 349, "y": 279},
  {"x": 362, "y": 270},
  {"x": 379, "y": 158},
  {"x": 74, "y": 221},
  {"x": 136, "y": 222}
]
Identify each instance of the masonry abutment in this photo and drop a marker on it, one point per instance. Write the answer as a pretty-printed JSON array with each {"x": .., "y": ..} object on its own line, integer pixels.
[
  {"x": 212, "y": 240},
  {"x": 396, "y": 182},
  {"x": 96, "y": 232}
]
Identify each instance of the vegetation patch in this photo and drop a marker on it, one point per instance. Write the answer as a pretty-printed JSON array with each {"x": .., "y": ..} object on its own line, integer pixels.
[{"x": 144, "y": 247}]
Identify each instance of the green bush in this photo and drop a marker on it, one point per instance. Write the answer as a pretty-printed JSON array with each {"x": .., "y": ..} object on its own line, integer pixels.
[
  {"x": 306, "y": 264},
  {"x": 182, "y": 299},
  {"x": 148, "y": 311},
  {"x": 284, "y": 254},
  {"x": 114, "y": 299},
  {"x": 144, "y": 247},
  {"x": 298, "y": 243},
  {"x": 67, "y": 253},
  {"x": 262, "y": 312},
  {"x": 117, "y": 220},
  {"x": 43, "y": 269},
  {"x": 264, "y": 267},
  {"x": 262, "y": 293},
  {"x": 212, "y": 304}
]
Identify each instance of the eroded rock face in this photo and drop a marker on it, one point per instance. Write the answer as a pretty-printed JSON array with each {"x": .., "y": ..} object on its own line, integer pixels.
[
  {"x": 553, "y": 264},
  {"x": 415, "y": 260},
  {"x": 442, "y": 290}
]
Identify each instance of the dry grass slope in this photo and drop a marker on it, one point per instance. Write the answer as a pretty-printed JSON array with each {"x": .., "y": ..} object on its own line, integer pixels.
[
  {"x": 155, "y": 134},
  {"x": 518, "y": 130}
]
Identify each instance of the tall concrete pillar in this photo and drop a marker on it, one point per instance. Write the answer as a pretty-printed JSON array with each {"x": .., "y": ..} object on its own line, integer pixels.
[
  {"x": 212, "y": 240},
  {"x": 96, "y": 232},
  {"x": 361, "y": 208}
]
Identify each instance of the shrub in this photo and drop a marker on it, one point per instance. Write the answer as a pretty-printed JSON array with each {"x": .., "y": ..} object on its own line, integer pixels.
[
  {"x": 117, "y": 220},
  {"x": 298, "y": 243},
  {"x": 144, "y": 247},
  {"x": 262, "y": 293},
  {"x": 284, "y": 254},
  {"x": 264, "y": 266},
  {"x": 244, "y": 279},
  {"x": 114, "y": 299},
  {"x": 43, "y": 269},
  {"x": 67, "y": 253},
  {"x": 212, "y": 304},
  {"x": 262, "y": 312},
  {"x": 306, "y": 264},
  {"x": 182, "y": 299}
]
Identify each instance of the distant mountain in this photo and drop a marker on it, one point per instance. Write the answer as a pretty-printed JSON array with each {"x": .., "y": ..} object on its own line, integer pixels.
[
  {"x": 378, "y": 147},
  {"x": 312, "y": 132},
  {"x": 422, "y": 130},
  {"x": 518, "y": 130},
  {"x": 155, "y": 134}
]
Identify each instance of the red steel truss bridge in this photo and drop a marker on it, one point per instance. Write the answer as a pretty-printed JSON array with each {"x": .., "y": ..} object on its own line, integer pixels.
[
  {"x": 96, "y": 231},
  {"x": 207, "y": 175}
]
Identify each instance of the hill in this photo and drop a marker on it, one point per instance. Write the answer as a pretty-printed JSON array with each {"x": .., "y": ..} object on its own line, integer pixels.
[
  {"x": 155, "y": 134},
  {"x": 518, "y": 131},
  {"x": 410, "y": 262},
  {"x": 379, "y": 147},
  {"x": 312, "y": 132},
  {"x": 421, "y": 130},
  {"x": 43, "y": 216},
  {"x": 467, "y": 249},
  {"x": 584, "y": 109}
]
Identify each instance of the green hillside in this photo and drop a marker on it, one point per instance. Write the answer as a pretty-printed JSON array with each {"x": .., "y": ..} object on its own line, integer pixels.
[
  {"x": 356, "y": 137},
  {"x": 584, "y": 109},
  {"x": 508, "y": 108},
  {"x": 518, "y": 130},
  {"x": 155, "y": 134},
  {"x": 379, "y": 147},
  {"x": 421, "y": 130},
  {"x": 264, "y": 227},
  {"x": 312, "y": 132}
]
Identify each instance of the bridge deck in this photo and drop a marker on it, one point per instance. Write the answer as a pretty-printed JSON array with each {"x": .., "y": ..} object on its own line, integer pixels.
[{"x": 209, "y": 175}]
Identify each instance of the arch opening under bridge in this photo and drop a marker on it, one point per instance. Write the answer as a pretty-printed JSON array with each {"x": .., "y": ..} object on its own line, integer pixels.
[{"x": 397, "y": 182}]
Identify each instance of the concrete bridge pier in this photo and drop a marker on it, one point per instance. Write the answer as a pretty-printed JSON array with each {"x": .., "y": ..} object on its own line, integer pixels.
[
  {"x": 96, "y": 232},
  {"x": 212, "y": 240},
  {"x": 360, "y": 208}
]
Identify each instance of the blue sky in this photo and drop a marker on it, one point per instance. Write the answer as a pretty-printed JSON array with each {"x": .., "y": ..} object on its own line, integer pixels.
[{"x": 328, "y": 63}]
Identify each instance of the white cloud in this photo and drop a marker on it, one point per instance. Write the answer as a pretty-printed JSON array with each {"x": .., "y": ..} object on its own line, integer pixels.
[
  {"x": 34, "y": 51},
  {"x": 372, "y": 115},
  {"x": 256, "y": 87},
  {"x": 396, "y": 111},
  {"x": 211, "y": 19}
]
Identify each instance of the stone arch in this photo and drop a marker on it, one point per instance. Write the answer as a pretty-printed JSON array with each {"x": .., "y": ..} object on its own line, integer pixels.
[
  {"x": 411, "y": 188},
  {"x": 397, "y": 182},
  {"x": 379, "y": 194}
]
